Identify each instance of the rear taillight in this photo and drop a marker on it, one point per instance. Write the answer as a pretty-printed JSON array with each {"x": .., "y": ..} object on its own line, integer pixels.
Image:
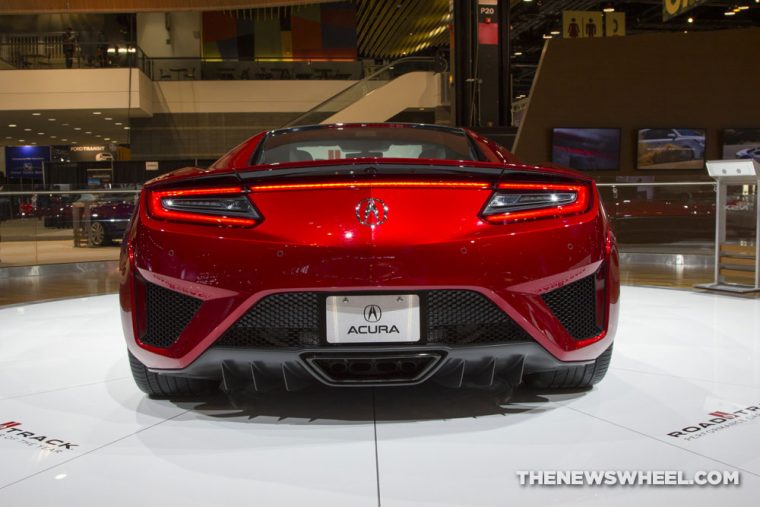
[
  {"x": 525, "y": 201},
  {"x": 228, "y": 206}
]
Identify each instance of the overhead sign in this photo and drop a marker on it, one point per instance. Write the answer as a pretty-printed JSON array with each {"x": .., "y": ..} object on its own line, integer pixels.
[
  {"x": 488, "y": 25},
  {"x": 151, "y": 165},
  {"x": 581, "y": 24},
  {"x": 614, "y": 24},
  {"x": 673, "y": 8}
]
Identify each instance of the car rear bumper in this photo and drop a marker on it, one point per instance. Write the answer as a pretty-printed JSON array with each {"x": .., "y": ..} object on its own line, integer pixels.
[{"x": 262, "y": 369}]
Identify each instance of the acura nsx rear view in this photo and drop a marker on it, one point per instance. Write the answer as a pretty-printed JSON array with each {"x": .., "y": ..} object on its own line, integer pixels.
[{"x": 367, "y": 255}]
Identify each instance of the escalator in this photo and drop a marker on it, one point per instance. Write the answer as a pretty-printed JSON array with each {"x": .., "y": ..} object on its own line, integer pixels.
[{"x": 413, "y": 83}]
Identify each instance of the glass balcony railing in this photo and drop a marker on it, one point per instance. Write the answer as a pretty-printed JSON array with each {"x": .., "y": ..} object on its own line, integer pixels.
[
  {"x": 676, "y": 214},
  {"x": 48, "y": 227},
  {"x": 58, "y": 227},
  {"x": 43, "y": 52},
  {"x": 48, "y": 53}
]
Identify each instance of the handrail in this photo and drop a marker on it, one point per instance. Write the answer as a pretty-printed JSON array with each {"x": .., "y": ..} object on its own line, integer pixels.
[
  {"x": 381, "y": 70},
  {"x": 68, "y": 192},
  {"x": 660, "y": 184}
]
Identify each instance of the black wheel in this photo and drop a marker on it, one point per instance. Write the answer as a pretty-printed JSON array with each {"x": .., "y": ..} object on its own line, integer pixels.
[
  {"x": 98, "y": 235},
  {"x": 573, "y": 377},
  {"x": 167, "y": 386}
]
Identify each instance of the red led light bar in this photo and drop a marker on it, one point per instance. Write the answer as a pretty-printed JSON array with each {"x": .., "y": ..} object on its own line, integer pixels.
[
  {"x": 375, "y": 184},
  {"x": 157, "y": 209},
  {"x": 578, "y": 206},
  {"x": 188, "y": 192}
]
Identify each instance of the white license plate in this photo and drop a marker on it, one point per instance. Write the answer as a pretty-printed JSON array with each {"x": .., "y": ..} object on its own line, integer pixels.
[{"x": 373, "y": 319}]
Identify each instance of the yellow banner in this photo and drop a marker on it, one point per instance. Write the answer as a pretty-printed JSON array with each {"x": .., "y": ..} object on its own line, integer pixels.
[
  {"x": 581, "y": 24},
  {"x": 614, "y": 24},
  {"x": 673, "y": 8}
]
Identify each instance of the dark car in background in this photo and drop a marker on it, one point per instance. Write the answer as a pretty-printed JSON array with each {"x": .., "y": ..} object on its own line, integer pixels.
[
  {"x": 109, "y": 218},
  {"x": 55, "y": 210}
]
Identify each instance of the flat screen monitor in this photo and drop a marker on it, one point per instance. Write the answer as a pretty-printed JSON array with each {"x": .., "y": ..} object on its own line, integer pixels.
[
  {"x": 586, "y": 149},
  {"x": 741, "y": 143},
  {"x": 671, "y": 148}
]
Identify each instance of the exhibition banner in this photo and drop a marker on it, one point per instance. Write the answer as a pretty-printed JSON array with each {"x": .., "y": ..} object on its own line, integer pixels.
[
  {"x": 673, "y": 8},
  {"x": 24, "y": 163}
]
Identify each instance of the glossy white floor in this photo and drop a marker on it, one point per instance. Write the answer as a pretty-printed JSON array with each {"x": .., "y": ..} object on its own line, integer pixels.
[{"x": 89, "y": 437}]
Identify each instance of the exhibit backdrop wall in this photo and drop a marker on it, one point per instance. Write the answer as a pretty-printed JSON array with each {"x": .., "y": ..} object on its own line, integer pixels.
[{"x": 704, "y": 80}]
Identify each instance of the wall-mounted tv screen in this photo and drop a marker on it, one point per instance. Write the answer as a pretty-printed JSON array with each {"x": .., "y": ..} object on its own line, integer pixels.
[
  {"x": 741, "y": 143},
  {"x": 671, "y": 148},
  {"x": 586, "y": 149}
]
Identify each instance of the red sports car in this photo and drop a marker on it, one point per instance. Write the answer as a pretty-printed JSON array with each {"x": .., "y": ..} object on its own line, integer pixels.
[{"x": 368, "y": 254}]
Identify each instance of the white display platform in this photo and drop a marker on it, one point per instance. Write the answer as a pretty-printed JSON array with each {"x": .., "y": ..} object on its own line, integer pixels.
[{"x": 679, "y": 356}]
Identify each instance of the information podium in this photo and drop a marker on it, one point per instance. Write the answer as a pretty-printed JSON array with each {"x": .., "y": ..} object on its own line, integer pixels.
[{"x": 737, "y": 264}]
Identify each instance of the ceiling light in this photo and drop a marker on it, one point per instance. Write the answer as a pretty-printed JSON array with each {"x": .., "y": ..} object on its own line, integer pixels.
[
  {"x": 106, "y": 138},
  {"x": 118, "y": 123},
  {"x": 109, "y": 119},
  {"x": 96, "y": 112},
  {"x": 77, "y": 128},
  {"x": 36, "y": 114},
  {"x": 742, "y": 8},
  {"x": 27, "y": 130},
  {"x": 65, "y": 124},
  {"x": 609, "y": 8},
  {"x": 518, "y": 53},
  {"x": 88, "y": 132},
  {"x": 547, "y": 36},
  {"x": 97, "y": 135},
  {"x": 554, "y": 32},
  {"x": 11, "y": 125},
  {"x": 40, "y": 133},
  {"x": 8, "y": 137},
  {"x": 64, "y": 139},
  {"x": 52, "y": 137},
  {"x": 690, "y": 20},
  {"x": 126, "y": 128},
  {"x": 33, "y": 143},
  {"x": 21, "y": 140},
  {"x": 729, "y": 13},
  {"x": 51, "y": 119}
]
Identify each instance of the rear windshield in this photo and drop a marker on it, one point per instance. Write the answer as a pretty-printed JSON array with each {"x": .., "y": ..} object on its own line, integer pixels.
[{"x": 362, "y": 142}]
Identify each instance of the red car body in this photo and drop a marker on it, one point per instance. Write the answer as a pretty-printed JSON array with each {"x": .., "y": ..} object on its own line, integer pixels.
[{"x": 308, "y": 238}]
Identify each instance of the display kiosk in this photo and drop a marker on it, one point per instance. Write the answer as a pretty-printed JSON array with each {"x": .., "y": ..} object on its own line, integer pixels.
[{"x": 737, "y": 263}]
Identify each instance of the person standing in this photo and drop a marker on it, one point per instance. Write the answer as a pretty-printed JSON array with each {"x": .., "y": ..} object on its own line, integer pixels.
[
  {"x": 102, "y": 49},
  {"x": 69, "y": 46}
]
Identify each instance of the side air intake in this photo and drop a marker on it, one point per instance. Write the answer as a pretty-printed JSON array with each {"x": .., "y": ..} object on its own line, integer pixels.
[
  {"x": 167, "y": 314},
  {"x": 575, "y": 306}
]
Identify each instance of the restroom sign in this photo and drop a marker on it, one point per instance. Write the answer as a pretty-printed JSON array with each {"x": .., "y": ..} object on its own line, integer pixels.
[{"x": 582, "y": 24}]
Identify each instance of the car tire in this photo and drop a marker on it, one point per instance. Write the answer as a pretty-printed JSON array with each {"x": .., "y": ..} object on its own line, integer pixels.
[
  {"x": 98, "y": 235},
  {"x": 573, "y": 377},
  {"x": 168, "y": 386}
]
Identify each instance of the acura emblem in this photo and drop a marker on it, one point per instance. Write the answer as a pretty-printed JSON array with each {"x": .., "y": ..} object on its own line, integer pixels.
[
  {"x": 371, "y": 212},
  {"x": 372, "y": 313}
]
